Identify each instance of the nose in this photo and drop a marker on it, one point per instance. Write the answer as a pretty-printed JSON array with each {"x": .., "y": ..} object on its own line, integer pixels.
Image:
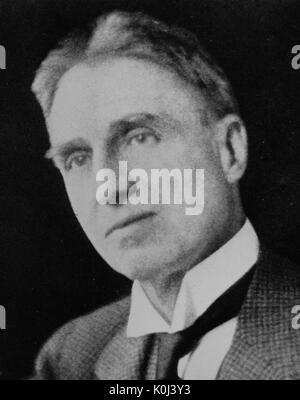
[{"x": 112, "y": 184}]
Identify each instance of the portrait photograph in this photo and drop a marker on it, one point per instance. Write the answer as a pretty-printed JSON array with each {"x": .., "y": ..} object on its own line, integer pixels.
[{"x": 149, "y": 192}]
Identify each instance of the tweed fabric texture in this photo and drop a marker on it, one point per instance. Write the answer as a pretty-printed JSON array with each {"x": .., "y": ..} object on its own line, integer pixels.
[{"x": 265, "y": 346}]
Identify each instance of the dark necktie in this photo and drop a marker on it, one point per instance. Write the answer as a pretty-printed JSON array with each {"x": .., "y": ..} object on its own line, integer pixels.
[{"x": 174, "y": 346}]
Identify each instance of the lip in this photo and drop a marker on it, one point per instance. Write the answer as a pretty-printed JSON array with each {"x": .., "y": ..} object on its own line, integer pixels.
[{"x": 128, "y": 221}]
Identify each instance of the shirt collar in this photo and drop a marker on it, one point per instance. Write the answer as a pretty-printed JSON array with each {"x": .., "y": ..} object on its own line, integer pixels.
[{"x": 200, "y": 287}]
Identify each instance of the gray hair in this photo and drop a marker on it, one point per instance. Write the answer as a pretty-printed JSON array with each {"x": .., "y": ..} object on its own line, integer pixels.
[{"x": 138, "y": 36}]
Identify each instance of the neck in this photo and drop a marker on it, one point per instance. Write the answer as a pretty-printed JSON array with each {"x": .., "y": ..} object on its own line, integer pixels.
[{"x": 163, "y": 290}]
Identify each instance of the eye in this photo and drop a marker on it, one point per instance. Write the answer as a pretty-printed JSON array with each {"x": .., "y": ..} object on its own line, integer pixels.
[
  {"x": 142, "y": 137},
  {"x": 78, "y": 159}
]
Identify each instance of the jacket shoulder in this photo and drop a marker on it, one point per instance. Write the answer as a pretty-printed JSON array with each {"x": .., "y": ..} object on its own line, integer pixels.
[
  {"x": 72, "y": 350},
  {"x": 283, "y": 299},
  {"x": 266, "y": 344}
]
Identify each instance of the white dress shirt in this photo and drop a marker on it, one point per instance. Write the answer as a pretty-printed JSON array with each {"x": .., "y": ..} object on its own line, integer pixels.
[{"x": 200, "y": 287}]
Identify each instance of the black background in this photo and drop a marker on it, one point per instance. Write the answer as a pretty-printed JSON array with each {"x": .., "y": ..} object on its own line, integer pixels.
[{"x": 49, "y": 273}]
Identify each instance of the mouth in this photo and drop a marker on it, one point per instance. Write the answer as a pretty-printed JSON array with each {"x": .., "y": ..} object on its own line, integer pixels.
[{"x": 129, "y": 221}]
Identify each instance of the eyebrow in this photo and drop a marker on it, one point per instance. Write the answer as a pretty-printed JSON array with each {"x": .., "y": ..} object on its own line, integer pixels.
[
  {"x": 121, "y": 127},
  {"x": 131, "y": 122},
  {"x": 117, "y": 129},
  {"x": 64, "y": 149}
]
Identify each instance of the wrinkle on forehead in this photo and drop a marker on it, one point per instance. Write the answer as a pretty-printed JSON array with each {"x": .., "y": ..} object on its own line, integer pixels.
[{"x": 91, "y": 98}]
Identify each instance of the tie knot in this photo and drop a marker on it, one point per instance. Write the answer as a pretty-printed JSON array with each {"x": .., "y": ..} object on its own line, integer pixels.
[{"x": 171, "y": 347}]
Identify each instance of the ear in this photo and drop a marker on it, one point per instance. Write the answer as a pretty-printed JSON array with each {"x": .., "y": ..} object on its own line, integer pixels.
[{"x": 232, "y": 146}]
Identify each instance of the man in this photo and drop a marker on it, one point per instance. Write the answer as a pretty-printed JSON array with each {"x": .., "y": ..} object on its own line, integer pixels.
[{"x": 208, "y": 301}]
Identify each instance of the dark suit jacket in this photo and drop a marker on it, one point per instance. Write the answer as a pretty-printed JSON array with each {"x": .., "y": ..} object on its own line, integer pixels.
[{"x": 265, "y": 345}]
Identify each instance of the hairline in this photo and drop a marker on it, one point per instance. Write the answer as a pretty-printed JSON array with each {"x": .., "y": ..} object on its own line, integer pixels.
[{"x": 206, "y": 115}]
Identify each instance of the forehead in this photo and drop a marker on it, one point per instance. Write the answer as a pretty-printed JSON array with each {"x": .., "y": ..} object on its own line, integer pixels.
[{"x": 90, "y": 98}]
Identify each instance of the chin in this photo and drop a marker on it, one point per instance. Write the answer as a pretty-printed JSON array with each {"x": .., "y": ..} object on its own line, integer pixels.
[{"x": 135, "y": 264}]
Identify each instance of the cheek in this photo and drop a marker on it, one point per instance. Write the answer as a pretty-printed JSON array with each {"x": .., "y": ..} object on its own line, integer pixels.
[
  {"x": 215, "y": 199},
  {"x": 81, "y": 196}
]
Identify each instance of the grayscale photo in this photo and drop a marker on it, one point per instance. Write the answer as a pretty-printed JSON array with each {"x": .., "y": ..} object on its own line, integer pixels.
[{"x": 150, "y": 183}]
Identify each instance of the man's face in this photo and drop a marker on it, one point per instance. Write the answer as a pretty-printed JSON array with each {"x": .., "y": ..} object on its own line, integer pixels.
[{"x": 134, "y": 111}]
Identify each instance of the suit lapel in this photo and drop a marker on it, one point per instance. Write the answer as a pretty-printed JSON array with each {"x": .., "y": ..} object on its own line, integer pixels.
[
  {"x": 263, "y": 323},
  {"x": 259, "y": 344},
  {"x": 128, "y": 358},
  {"x": 136, "y": 358}
]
